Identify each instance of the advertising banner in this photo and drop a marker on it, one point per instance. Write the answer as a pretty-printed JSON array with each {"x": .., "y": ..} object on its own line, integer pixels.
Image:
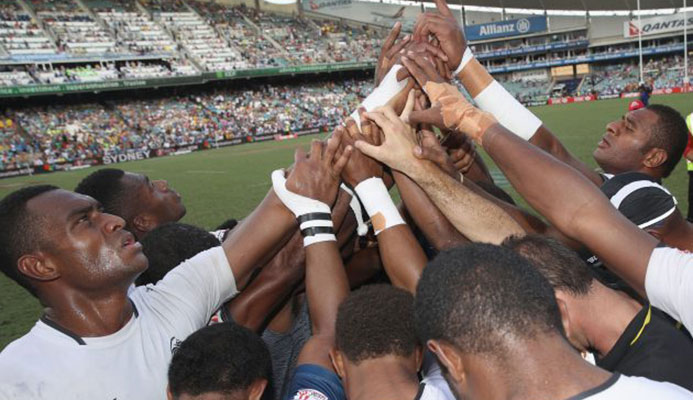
[
  {"x": 656, "y": 25},
  {"x": 511, "y": 27}
]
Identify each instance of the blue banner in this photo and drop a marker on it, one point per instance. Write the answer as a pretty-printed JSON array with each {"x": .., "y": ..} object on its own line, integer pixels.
[{"x": 511, "y": 27}]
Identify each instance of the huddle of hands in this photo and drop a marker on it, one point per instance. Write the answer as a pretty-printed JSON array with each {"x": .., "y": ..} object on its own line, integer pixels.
[{"x": 400, "y": 135}]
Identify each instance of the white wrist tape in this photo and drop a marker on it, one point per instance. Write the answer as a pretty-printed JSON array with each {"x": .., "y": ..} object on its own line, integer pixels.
[
  {"x": 388, "y": 88},
  {"x": 508, "y": 111},
  {"x": 355, "y": 204},
  {"x": 375, "y": 198},
  {"x": 467, "y": 56},
  {"x": 314, "y": 217}
]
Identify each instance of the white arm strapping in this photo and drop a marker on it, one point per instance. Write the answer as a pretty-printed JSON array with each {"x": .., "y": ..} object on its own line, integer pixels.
[
  {"x": 376, "y": 199},
  {"x": 301, "y": 205},
  {"x": 388, "y": 88},
  {"x": 355, "y": 204},
  {"x": 508, "y": 111},
  {"x": 467, "y": 56}
]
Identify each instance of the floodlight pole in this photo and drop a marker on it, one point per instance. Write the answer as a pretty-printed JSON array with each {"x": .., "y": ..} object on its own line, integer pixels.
[{"x": 642, "y": 78}]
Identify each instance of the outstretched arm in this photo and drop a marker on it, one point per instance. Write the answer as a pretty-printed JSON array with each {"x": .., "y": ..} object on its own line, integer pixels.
[
  {"x": 488, "y": 93},
  {"x": 582, "y": 213},
  {"x": 472, "y": 215},
  {"x": 402, "y": 256},
  {"x": 257, "y": 235}
]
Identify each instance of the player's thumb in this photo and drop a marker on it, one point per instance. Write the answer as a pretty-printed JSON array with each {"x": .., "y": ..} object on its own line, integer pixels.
[
  {"x": 369, "y": 150},
  {"x": 421, "y": 117}
]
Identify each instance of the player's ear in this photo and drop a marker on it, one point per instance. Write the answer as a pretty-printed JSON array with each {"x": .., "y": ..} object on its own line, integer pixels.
[
  {"x": 38, "y": 266},
  {"x": 338, "y": 362},
  {"x": 655, "y": 158},
  {"x": 450, "y": 359},
  {"x": 169, "y": 395},
  {"x": 143, "y": 223},
  {"x": 256, "y": 389}
]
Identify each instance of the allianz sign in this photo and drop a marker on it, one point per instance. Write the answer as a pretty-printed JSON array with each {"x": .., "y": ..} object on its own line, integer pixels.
[{"x": 513, "y": 27}]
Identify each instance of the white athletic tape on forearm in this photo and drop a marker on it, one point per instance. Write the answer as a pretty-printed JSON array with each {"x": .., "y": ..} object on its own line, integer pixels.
[
  {"x": 320, "y": 237},
  {"x": 388, "y": 88},
  {"x": 466, "y": 58},
  {"x": 508, "y": 111},
  {"x": 375, "y": 198},
  {"x": 318, "y": 227},
  {"x": 355, "y": 204},
  {"x": 297, "y": 204}
]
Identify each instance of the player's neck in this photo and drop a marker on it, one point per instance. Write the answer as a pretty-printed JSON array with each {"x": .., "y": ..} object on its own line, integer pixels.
[
  {"x": 385, "y": 378},
  {"x": 543, "y": 368},
  {"x": 604, "y": 329},
  {"x": 87, "y": 316}
]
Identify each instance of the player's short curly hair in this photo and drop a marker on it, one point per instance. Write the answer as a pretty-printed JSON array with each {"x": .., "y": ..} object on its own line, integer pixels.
[
  {"x": 170, "y": 244},
  {"x": 376, "y": 321},
  {"x": 221, "y": 358},
  {"x": 20, "y": 233},
  {"x": 482, "y": 298}
]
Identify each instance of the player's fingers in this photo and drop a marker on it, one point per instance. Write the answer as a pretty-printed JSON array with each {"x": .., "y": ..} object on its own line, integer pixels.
[
  {"x": 315, "y": 149},
  {"x": 398, "y": 46},
  {"x": 443, "y": 8},
  {"x": 375, "y": 152},
  {"x": 428, "y": 68},
  {"x": 378, "y": 117},
  {"x": 402, "y": 74},
  {"x": 342, "y": 161},
  {"x": 351, "y": 127},
  {"x": 430, "y": 116},
  {"x": 409, "y": 106},
  {"x": 299, "y": 156},
  {"x": 392, "y": 36},
  {"x": 333, "y": 144},
  {"x": 415, "y": 71},
  {"x": 436, "y": 51}
]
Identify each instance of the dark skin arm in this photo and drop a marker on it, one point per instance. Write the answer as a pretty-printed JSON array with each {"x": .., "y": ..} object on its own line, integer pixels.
[
  {"x": 257, "y": 235},
  {"x": 268, "y": 291},
  {"x": 326, "y": 282},
  {"x": 401, "y": 254}
]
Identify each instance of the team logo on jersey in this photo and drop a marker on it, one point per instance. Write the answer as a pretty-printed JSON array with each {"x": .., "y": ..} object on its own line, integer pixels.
[{"x": 309, "y": 394}]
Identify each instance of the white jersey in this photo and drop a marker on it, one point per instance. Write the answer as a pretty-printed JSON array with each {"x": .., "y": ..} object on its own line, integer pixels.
[
  {"x": 436, "y": 385},
  {"x": 669, "y": 283},
  {"x": 620, "y": 387},
  {"x": 49, "y": 362},
  {"x": 430, "y": 392}
]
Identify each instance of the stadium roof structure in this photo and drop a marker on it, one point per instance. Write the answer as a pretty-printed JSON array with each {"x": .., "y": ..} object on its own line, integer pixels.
[{"x": 575, "y": 4}]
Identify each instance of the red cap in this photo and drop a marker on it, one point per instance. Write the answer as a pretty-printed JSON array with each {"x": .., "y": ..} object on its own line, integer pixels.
[{"x": 635, "y": 105}]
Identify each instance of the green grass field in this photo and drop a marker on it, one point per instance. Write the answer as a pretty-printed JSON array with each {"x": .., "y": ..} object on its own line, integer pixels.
[{"x": 229, "y": 182}]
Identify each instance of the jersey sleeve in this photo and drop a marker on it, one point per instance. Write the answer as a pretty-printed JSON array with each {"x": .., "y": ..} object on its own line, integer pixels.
[
  {"x": 669, "y": 283},
  {"x": 313, "y": 382},
  {"x": 191, "y": 292}
]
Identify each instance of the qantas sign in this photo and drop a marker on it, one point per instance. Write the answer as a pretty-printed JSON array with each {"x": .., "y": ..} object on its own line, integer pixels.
[{"x": 655, "y": 25}]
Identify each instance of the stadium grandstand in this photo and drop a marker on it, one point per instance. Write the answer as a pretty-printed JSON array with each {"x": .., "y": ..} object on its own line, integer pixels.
[{"x": 233, "y": 64}]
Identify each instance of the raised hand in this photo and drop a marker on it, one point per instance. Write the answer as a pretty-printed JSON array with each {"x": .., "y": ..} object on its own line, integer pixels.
[
  {"x": 359, "y": 167},
  {"x": 430, "y": 149},
  {"x": 316, "y": 175},
  {"x": 389, "y": 53},
  {"x": 462, "y": 152},
  {"x": 445, "y": 28},
  {"x": 449, "y": 110},
  {"x": 396, "y": 150}
]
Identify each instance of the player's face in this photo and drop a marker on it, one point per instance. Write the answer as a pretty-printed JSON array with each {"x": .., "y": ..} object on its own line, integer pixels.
[
  {"x": 156, "y": 197},
  {"x": 623, "y": 146},
  {"x": 90, "y": 249}
]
